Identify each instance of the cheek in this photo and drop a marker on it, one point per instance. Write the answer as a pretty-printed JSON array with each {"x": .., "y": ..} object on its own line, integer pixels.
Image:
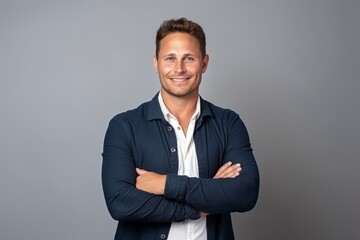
[
  {"x": 195, "y": 69},
  {"x": 194, "y": 66},
  {"x": 165, "y": 69}
]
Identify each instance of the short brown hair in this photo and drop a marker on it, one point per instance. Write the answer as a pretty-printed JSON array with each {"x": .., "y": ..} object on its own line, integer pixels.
[{"x": 181, "y": 25}]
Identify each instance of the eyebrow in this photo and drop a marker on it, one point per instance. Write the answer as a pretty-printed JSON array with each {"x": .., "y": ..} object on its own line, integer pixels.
[{"x": 174, "y": 54}]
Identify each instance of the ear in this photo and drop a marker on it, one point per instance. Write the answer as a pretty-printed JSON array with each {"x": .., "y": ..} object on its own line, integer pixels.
[
  {"x": 155, "y": 64},
  {"x": 205, "y": 63}
]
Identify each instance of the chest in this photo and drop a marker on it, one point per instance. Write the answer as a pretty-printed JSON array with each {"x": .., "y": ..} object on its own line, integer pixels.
[{"x": 156, "y": 148}]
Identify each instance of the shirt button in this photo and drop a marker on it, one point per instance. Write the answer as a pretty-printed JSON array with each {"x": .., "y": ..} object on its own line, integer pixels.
[
  {"x": 173, "y": 149},
  {"x": 170, "y": 128},
  {"x": 179, "y": 128},
  {"x": 163, "y": 236}
]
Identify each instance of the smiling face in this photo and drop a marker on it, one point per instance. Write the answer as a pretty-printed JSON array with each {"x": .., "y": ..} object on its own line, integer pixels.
[{"x": 180, "y": 65}]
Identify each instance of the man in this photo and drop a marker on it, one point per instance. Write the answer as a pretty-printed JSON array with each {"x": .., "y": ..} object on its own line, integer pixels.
[{"x": 177, "y": 166}]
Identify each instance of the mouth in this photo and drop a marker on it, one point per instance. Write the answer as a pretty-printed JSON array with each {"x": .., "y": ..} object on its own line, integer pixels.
[{"x": 179, "y": 79}]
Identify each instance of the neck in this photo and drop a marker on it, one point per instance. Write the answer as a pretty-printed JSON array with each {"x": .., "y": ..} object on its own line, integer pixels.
[{"x": 181, "y": 107}]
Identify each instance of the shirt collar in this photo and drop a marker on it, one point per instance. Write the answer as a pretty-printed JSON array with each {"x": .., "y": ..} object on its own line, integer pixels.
[
  {"x": 155, "y": 112},
  {"x": 167, "y": 114}
]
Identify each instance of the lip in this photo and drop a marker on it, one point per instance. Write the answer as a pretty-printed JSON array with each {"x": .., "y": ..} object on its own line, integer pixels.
[{"x": 179, "y": 79}]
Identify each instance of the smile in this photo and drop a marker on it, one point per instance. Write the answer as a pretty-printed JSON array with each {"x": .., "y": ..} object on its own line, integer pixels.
[{"x": 179, "y": 79}]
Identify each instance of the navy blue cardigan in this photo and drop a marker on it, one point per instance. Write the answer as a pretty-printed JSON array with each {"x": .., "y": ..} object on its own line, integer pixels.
[{"x": 143, "y": 138}]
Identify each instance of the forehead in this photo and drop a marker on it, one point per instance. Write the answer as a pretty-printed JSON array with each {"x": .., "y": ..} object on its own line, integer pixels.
[{"x": 180, "y": 41}]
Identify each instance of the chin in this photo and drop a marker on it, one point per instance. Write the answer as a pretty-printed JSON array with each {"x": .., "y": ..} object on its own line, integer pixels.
[{"x": 182, "y": 94}]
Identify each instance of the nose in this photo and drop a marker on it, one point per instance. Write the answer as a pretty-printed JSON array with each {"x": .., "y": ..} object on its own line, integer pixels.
[{"x": 179, "y": 67}]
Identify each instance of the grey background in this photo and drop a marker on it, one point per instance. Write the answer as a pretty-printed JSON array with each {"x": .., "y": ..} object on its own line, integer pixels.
[{"x": 289, "y": 68}]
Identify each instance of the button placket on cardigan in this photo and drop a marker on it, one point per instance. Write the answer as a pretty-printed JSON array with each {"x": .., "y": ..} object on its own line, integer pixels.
[{"x": 172, "y": 143}]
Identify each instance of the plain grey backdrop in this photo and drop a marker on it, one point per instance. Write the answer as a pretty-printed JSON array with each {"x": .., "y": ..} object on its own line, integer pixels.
[{"x": 291, "y": 69}]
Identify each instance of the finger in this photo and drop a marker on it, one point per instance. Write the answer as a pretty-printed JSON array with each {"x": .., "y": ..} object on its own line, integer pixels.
[
  {"x": 234, "y": 169},
  {"x": 223, "y": 168},
  {"x": 230, "y": 172},
  {"x": 140, "y": 171},
  {"x": 231, "y": 168}
]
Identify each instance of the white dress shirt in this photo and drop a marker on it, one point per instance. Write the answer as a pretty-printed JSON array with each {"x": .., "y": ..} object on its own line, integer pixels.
[{"x": 188, "y": 165}]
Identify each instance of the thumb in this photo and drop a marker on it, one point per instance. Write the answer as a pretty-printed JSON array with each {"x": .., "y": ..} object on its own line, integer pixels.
[{"x": 140, "y": 171}]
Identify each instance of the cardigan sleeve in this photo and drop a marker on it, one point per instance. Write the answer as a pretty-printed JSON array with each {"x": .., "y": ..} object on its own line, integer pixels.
[
  {"x": 227, "y": 194},
  {"x": 124, "y": 201}
]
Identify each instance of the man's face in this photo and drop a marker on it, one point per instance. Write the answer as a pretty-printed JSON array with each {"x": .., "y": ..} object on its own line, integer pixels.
[{"x": 180, "y": 65}]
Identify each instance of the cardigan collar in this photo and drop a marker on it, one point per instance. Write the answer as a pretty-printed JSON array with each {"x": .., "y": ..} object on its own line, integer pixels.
[{"x": 154, "y": 110}]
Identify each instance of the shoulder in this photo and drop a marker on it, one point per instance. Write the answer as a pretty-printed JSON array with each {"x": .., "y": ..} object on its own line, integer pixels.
[
  {"x": 142, "y": 114},
  {"x": 218, "y": 113},
  {"x": 224, "y": 120},
  {"x": 125, "y": 123},
  {"x": 132, "y": 116}
]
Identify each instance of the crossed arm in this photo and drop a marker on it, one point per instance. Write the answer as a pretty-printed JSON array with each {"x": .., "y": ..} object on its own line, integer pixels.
[
  {"x": 134, "y": 194},
  {"x": 154, "y": 183}
]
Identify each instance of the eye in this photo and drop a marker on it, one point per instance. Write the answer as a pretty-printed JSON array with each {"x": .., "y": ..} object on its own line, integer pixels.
[
  {"x": 189, "y": 59},
  {"x": 169, "y": 59}
]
